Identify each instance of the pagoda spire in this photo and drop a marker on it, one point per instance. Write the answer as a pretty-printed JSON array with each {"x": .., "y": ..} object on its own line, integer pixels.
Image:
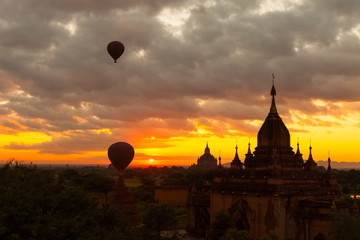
[
  {"x": 249, "y": 150},
  {"x": 236, "y": 163},
  {"x": 329, "y": 163},
  {"x": 298, "y": 155},
  {"x": 310, "y": 163},
  {"x": 236, "y": 153},
  {"x": 310, "y": 155},
  {"x": 207, "y": 149},
  {"x": 298, "y": 148},
  {"x": 248, "y": 155},
  {"x": 273, "y": 132},
  {"x": 219, "y": 158},
  {"x": 273, "y": 93},
  {"x": 329, "y": 172}
]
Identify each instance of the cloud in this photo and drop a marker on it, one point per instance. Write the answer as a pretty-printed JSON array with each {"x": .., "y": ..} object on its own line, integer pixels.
[
  {"x": 184, "y": 61},
  {"x": 71, "y": 142}
]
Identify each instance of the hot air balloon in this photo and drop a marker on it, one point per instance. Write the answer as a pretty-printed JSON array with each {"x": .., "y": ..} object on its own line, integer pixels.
[
  {"x": 121, "y": 154},
  {"x": 115, "y": 49}
]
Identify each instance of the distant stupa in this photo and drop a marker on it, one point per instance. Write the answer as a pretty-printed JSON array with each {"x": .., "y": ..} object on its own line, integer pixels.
[
  {"x": 121, "y": 196},
  {"x": 207, "y": 160}
]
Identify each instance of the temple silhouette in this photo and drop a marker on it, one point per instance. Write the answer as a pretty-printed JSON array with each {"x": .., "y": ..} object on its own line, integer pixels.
[
  {"x": 272, "y": 189},
  {"x": 207, "y": 161}
]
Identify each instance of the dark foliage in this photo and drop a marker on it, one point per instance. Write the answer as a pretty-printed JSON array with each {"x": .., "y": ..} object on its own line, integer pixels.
[
  {"x": 233, "y": 234},
  {"x": 97, "y": 182},
  {"x": 175, "y": 179},
  {"x": 159, "y": 217},
  {"x": 222, "y": 223},
  {"x": 349, "y": 180},
  {"x": 36, "y": 205},
  {"x": 143, "y": 194}
]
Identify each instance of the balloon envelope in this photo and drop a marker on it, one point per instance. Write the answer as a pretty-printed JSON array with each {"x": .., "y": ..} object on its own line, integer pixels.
[
  {"x": 121, "y": 154},
  {"x": 115, "y": 49}
]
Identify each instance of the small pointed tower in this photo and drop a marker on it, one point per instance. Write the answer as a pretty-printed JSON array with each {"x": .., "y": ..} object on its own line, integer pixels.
[
  {"x": 298, "y": 155},
  {"x": 310, "y": 165},
  {"x": 298, "y": 149},
  {"x": 273, "y": 133},
  {"x": 121, "y": 196},
  {"x": 236, "y": 163},
  {"x": 273, "y": 152},
  {"x": 219, "y": 158},
  {"x": 248, "y": 155},
  {"x": 329, "y": 163},
  {"x": 330, "y": 177},
  {"x": 207, "y": 149}
]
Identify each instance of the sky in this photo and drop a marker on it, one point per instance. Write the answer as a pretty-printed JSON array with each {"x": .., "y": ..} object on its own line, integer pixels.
[{"x": 193, "y": 72}]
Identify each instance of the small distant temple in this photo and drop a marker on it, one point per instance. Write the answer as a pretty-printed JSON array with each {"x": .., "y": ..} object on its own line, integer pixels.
[
  {"x": 272, "y": 189},
  {"x": 207, "y": 161},
  {"x": 121, "y": 196}
]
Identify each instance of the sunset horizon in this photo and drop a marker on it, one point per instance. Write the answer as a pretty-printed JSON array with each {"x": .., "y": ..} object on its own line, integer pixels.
[{"x": 220, "y": 147}]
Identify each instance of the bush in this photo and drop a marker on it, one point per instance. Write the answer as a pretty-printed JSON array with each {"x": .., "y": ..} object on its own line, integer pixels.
[
  {"x": 233, "y": 234},
  {"x": 222, "y": 223},
  {"x": 36, "y": 205},
  {"x": 159, "y": 217}
]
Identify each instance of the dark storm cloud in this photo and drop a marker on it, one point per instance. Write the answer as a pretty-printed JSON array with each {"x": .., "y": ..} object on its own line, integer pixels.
[{"x": 220, "y": 52}]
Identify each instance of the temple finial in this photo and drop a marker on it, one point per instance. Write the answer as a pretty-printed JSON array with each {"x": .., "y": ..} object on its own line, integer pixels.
[
  {"x": 273, "y": 93},
  {"x": 236, "y": 153},
  {"x": 329, "y": 161},
  {"x": 220, "y": 157},
  {"x": 249, "y": 150},
  {"x": 207, "y": 149},
  {"x": 310, "y": 155},
  {"x": 298, "y": 148},
  {"x": 273, "y": 77}
]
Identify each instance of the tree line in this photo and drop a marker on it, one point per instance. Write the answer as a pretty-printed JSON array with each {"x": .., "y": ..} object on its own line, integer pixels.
[
  {"x": 38, "y": 204},
  {"x": 59, "y": 203}
]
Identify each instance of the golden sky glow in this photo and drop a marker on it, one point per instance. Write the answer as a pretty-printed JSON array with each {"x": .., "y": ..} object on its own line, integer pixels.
[{"x": 335, "y": 133}]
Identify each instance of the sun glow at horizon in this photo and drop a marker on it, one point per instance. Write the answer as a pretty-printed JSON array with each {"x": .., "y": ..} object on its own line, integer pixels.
[{"x": 328, "y": 131}]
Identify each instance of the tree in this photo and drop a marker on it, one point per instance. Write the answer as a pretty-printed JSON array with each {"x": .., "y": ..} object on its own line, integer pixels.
[
  {"x": 175, "y": 179},
  {"x": 222, "y": 223},
  {"x": 270, "y": 236},
  {"x": 159, "y": 217},
  {"x": 70, "y": 175},
  {"x": 148, "y": 181},
  {"x": 36, "y": 205},
  {"x": 96, "y": 182},
  {"x": 234, "y": 234},
  {"x": 346, "y": 188}
]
